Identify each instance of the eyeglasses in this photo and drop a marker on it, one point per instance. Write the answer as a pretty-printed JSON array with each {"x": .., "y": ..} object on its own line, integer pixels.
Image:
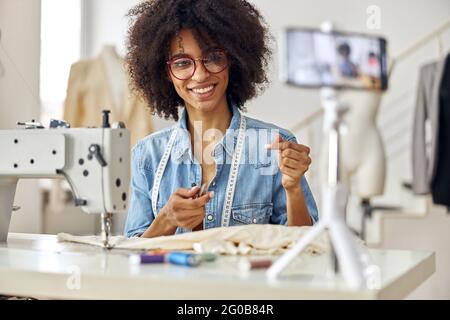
[{"x": 184, "y": 67}]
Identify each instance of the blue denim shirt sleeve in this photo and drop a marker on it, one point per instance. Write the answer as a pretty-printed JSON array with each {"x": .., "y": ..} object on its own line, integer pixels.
[
  {"x": 140, "y": 211},
  {"x": 279, "y": 215}
]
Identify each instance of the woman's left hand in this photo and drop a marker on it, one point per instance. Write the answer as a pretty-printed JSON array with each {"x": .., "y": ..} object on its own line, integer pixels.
[{"x": 293, "y": 161}]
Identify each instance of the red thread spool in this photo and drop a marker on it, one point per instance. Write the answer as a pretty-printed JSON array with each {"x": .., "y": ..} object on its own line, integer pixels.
[{"x": 247, "y": 265}]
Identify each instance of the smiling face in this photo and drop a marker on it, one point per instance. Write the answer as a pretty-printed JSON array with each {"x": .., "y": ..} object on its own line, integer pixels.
[{"x": 204, "y": 91}]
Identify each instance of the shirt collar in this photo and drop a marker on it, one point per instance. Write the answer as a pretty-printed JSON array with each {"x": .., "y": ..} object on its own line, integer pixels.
[{"x": 182, "y": 145}]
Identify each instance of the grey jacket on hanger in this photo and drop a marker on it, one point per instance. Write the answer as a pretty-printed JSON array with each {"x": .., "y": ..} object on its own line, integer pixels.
[{"x": 427, "y": 107}]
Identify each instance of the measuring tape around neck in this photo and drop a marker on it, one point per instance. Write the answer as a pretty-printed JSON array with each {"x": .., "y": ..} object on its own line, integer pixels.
[
  {"x": 160, "y": 170},
  {"x": 232, "y": 178}
]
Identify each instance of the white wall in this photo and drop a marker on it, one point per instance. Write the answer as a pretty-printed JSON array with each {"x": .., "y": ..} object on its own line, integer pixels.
[
  {"x": 105, "y": 22},
  {"x": 19, "y": 93},
  {"x": 402, "y": 21}
]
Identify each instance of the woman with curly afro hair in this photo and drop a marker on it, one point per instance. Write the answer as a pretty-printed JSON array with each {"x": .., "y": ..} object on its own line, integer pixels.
[{"x": 215, "y": 167}]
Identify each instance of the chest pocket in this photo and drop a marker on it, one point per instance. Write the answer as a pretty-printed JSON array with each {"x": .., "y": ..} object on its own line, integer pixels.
[{"x": 253, "y": 213}]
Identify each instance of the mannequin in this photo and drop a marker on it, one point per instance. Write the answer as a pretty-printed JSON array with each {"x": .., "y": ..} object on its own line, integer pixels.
[
  {"x": 363, "y": 158},
  {"x": 362, "y": 147},
  {"x": 102, "y": 82},
  {"x": 115, "y": 73}
]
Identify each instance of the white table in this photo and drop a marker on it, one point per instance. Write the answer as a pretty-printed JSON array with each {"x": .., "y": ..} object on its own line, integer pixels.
[{"x": 39, "y": 266}]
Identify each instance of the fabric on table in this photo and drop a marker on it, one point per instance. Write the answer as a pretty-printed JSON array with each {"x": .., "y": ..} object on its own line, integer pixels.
[{"x": 242, "y": 240}]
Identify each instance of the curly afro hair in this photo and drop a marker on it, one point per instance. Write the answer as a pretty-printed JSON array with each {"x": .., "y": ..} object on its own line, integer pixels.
[{"x": 235, "y": 25}]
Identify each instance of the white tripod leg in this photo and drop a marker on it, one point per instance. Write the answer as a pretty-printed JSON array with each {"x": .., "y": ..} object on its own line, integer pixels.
[
  {"x": 348, "y": 254},
  {"x": 363, "y": 253},
  {"x": 372, "y": 272},
  {"x": 287, "y": 258}
]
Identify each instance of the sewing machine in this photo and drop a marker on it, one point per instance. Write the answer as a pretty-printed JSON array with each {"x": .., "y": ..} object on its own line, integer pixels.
[{"x": 94, "y": 162}]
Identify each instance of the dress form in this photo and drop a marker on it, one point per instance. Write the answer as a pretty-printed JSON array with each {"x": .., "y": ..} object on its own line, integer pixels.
[{"x": 363, "y": 156}]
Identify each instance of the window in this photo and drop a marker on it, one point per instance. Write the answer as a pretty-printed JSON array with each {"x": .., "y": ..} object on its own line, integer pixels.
[{"x": 60, "y": 47}]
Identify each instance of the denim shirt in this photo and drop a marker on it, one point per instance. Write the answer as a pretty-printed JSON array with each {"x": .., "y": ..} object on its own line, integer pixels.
[{"x": 259, "y": 196}]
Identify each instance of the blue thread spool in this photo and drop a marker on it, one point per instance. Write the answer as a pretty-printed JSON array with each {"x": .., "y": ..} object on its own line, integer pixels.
[{"x": 183, "y": 259}]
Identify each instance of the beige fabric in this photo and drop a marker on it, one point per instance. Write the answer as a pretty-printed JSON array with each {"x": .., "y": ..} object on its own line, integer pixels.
[
  {"x": 89, "y": 92},
  {"x": 244, "y": 240}
]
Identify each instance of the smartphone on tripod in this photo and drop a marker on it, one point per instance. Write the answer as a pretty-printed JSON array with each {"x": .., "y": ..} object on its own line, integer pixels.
[{"x": 312, "y": 58}]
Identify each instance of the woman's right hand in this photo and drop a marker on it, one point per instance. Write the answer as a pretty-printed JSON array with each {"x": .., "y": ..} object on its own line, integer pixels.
[{"x": 184, "y": 210}]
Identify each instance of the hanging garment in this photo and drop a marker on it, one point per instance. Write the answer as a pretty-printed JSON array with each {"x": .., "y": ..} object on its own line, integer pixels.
[
  {"x": 440, "y": 186},
  {"x": 243, "y": 240},
  {"x": 89, "y": 92},
  {"x": 424, "y": 163}
]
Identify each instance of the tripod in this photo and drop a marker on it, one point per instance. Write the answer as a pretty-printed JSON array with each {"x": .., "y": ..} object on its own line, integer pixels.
[{"x": 351, "y": 259}]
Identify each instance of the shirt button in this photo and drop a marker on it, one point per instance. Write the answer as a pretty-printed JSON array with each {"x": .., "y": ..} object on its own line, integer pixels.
[
  {"x": 254, "y": 220},
  {"x": 210, "y": 217},
  {"x": 214, "y": 184}
]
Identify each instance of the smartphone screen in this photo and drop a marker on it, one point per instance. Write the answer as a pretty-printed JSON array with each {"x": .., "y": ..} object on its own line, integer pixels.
[{"x": 312, "y": 58}]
